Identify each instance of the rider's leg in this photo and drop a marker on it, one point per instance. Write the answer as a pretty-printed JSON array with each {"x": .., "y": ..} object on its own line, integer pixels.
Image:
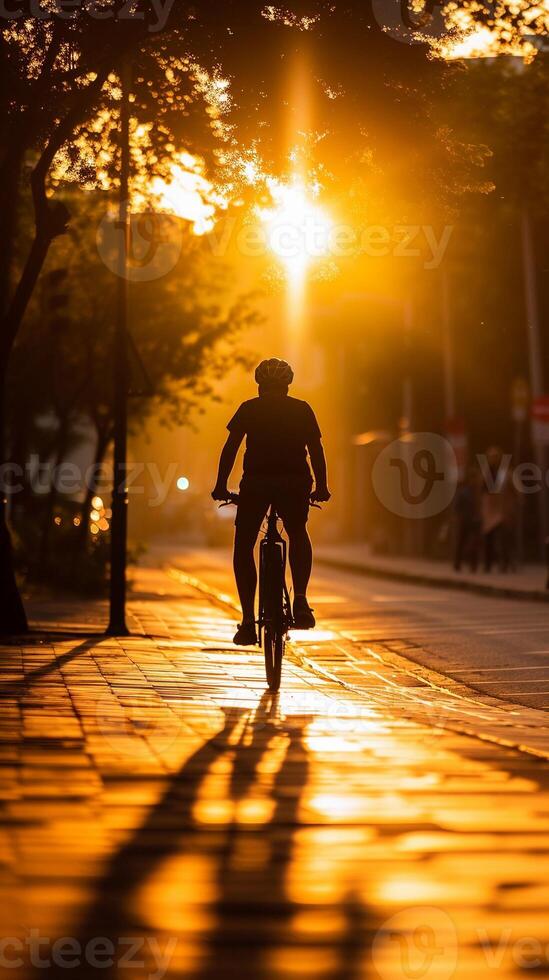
[
  {"x": 250, "y": 516},
  {"x": 294, "y": 510},
  {"x": 301, "y": 557},
  {"x": 245, "y": 571}
]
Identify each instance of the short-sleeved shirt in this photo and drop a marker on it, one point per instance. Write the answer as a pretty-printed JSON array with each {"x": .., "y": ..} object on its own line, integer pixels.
[{"x": 278, "y": 430}]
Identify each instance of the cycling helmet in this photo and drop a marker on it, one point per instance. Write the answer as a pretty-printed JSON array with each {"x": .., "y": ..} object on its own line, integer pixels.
[{"x": 274, "y": 372}]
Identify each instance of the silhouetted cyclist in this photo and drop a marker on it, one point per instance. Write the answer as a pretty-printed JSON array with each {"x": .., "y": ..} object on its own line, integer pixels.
[{"x": 279, "y": 431}]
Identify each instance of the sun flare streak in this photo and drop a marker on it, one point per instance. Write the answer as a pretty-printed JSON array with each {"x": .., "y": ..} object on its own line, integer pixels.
[{"x": 298, "y": 229}]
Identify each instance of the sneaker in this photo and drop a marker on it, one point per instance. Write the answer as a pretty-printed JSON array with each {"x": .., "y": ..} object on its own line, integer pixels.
[
  {"x": 303, "y": 614},
  {"x": 246, "y": 635}
]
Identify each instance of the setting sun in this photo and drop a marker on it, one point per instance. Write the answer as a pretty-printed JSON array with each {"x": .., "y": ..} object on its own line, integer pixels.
[
  {"x": 298, "y": 232},
  {"x": 298, "y": 229}
]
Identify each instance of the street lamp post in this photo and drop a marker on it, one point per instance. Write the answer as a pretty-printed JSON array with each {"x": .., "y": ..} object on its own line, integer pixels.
[
  {"x": 534, "y": 353},
  {"x": 412, "y": 531},
  {"x": 447, "y": 350},
  {"x": 119, "y": 524}
]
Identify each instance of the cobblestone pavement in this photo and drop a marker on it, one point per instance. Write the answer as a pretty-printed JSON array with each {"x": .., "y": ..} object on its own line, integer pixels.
[
  {"x": 373, "y": 648},
  {"x": 163, "y": 816}
]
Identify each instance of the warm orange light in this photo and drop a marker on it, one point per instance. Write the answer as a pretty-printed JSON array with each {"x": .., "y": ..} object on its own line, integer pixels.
[
  {"x": 189, "y": 194},
  {"x": 298, "y": 229},
  {"x": 511, "y": 31}
]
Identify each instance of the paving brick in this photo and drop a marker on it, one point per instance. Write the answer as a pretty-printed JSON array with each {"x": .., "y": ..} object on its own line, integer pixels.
[{"x": 153, "y": 789}]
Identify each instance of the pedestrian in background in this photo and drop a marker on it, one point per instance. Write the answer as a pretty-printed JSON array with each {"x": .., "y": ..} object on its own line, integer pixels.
[
  {"x": 467, "y": 515},
  {"x": 510, "y": 519},
  {"x": 498, "y": 512}
]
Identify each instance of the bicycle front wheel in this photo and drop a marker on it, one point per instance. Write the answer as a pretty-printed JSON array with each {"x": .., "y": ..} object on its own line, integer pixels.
[
  {"x": 271, "y": 590},
  {"x": 273, "y": 648}
]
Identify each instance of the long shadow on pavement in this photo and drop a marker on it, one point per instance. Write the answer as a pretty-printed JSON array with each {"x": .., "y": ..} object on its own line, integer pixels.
[
  {"x": 14, "y": 688},
  {"x": 251, "y": 929}
]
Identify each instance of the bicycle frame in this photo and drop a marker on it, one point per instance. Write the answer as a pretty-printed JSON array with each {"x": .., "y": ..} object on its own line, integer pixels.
[
  {"x": 275, "y": 616},
  {"x": 273, "y": 539},
  {"x": 275, "y": 609}
]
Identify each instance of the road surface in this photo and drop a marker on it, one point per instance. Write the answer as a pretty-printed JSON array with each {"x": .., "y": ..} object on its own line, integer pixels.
[
  {"x": 497, "y": 646},
  {"x": 165, "y": 818}
]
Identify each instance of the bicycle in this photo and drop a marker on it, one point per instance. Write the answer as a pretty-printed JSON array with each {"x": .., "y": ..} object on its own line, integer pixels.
[{"x": 275, "y": 610}]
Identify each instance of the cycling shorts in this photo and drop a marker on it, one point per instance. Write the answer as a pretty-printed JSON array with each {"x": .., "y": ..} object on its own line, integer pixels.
[{"x": 290, "y": 495}]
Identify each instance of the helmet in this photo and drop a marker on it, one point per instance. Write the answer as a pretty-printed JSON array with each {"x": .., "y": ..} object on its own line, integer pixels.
[{"x": 274, "y": 372}]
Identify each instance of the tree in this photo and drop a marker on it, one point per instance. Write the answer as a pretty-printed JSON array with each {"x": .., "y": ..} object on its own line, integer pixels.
[
  {"x": 178, "y": 317},
  {"x": 56, "y": 75},
  {"x": 503, "y": 104}
]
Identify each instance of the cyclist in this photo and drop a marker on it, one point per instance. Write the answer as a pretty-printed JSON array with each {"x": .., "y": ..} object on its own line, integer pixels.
[{"x": 279, "y": 431}]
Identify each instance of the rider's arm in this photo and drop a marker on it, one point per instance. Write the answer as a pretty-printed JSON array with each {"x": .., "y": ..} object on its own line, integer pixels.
[
  {"x": 318, "y": 462},
  {"x": 226, "y": 463}
]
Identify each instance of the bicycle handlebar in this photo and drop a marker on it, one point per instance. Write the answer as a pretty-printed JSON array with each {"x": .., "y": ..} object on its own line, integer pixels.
[{"x": 233, "y": 498}]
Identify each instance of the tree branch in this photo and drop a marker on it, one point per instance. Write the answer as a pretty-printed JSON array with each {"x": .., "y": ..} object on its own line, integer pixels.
[
  {"x": 49, "y": 57},
  {"x": 59, "y": 137},
  {"x": 51, "y": 219}
]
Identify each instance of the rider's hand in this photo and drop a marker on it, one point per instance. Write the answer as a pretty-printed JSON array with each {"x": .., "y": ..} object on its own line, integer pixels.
[
  {"x": 220, "y": 493},
  {"x": 320, "y": 495}
]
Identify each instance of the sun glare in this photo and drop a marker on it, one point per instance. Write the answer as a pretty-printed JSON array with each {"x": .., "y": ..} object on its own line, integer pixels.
[
  {"x": 298, "y": 229},
  {"x": 189, "y": 194},
  {"x": 298, "y": 232},
  {"x": 511, "y": 31},
  {"x": 485, "y": 42}
]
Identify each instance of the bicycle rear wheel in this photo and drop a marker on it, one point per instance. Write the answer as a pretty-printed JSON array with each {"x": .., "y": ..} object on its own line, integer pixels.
[
  {"x": 273, "y": 648},
  {"x": 272, "y": 610}
]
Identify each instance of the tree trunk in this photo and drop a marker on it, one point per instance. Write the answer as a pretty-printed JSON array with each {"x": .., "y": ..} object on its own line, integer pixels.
[
  {"x": 51, "y": 220},
  {"x": 12, "y": 613},
  {"x": 9, "y": 193},
  {"x": 15, "y": 311}
]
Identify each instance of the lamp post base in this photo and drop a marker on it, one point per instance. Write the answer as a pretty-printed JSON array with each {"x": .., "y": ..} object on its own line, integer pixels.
[{"x": 117, "y": 629}]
